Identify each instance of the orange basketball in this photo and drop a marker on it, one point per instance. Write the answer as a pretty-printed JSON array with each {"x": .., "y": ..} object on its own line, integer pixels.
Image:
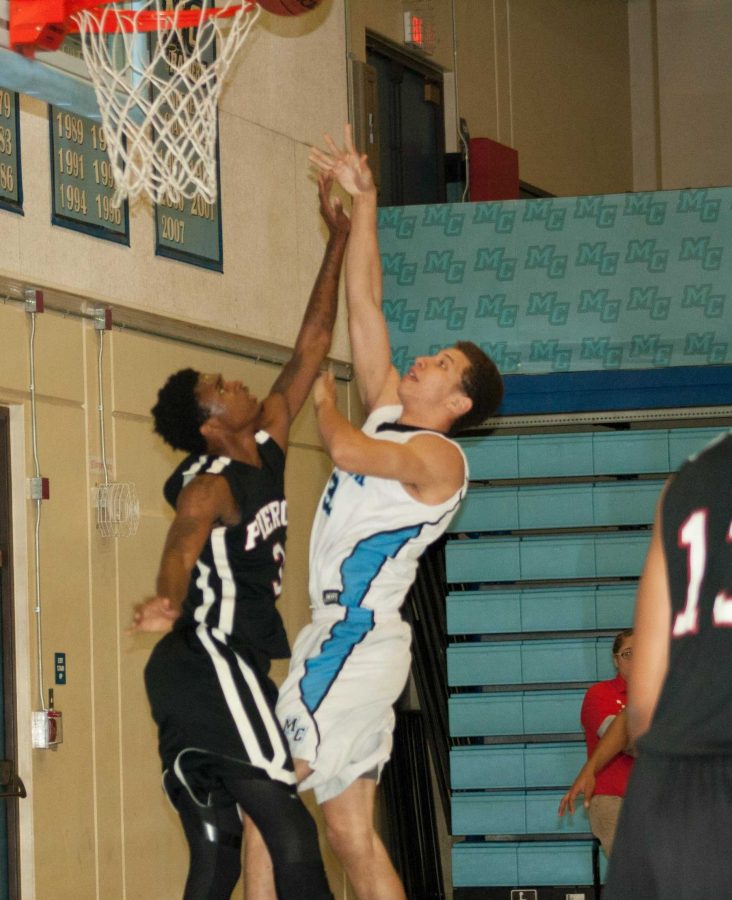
[{"x": 288, "y": 7}]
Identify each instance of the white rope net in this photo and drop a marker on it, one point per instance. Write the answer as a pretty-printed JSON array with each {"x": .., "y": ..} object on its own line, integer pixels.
[{"x": 158, "y": 92}]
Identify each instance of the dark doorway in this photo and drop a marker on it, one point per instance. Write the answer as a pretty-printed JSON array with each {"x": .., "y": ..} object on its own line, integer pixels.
[{"x": 411, "y": 127}]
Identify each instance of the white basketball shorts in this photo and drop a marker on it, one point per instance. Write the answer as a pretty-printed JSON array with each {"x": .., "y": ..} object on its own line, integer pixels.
[{"x": 336, "y": 705}]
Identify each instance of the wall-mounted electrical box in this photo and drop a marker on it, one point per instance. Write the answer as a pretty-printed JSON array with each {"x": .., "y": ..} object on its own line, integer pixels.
[{"x": 47, "y": 732}]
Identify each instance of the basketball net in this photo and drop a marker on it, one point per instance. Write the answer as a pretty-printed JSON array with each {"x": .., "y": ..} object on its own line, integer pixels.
[{"x": 158, "y": 90}]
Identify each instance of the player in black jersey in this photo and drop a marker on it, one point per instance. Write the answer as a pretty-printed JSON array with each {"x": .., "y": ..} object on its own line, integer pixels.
[
  {"x": 675, "y": 829},
  {"x": 222, "y": 749}
]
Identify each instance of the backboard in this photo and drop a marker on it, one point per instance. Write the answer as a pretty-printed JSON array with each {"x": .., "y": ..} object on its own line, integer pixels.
[{"x": 58, "y": 77}]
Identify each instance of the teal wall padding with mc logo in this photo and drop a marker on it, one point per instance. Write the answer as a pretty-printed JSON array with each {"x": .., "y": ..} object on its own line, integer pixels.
[{"x": 598, "y": 283}]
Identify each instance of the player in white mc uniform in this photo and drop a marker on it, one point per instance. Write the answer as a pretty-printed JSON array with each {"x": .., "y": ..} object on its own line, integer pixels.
[
  {"x": 351, "y": 664},
  {"x": 391, "y": 494}
]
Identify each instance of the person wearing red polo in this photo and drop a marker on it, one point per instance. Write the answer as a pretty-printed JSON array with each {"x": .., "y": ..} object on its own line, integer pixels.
[{"x": 603, "y": 702}]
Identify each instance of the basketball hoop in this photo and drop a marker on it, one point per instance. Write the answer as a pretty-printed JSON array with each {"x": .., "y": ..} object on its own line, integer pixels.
[{"x": 158, "y": 68}]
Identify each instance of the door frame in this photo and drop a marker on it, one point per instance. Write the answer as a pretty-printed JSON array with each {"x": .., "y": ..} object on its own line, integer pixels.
[
  {"x": 18, "y": 669},
  {"x": 432, "y": 73}
]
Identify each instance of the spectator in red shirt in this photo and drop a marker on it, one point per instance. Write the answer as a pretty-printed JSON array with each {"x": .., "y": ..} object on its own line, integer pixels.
[{"x": 604, "y": 776}]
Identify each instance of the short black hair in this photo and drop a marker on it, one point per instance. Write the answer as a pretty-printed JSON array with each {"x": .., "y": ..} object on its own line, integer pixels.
[
  {"x": 482, "y": 383},
  {"x": 177, "y": 414}
]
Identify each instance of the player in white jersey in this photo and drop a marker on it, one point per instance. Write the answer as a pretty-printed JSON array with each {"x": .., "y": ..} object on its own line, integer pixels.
[
  {"x": 350, "y": 666},
  {"x": 395, "y": 487}
]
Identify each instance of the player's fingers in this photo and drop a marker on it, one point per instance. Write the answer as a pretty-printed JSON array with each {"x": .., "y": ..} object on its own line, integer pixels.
[
  {"x": 320, "y": 159},
  {"x": 331, "y": 144}
]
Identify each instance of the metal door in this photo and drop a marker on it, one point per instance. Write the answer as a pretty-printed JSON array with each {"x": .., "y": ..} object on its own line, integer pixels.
[{"x": 410, "y": 129}]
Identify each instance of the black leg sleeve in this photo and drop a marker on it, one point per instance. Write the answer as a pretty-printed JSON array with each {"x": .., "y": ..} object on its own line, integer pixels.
[
  {"x": 290, "y": 833},
  {"x": 214, "y": 835}
]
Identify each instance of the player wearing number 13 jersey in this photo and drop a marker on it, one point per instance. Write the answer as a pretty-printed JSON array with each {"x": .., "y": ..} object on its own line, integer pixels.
[{"x": 675, "y": 829}]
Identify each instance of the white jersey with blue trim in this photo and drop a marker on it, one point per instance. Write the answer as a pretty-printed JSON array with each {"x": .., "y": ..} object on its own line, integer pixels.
[{"x": 369, "y": 532}]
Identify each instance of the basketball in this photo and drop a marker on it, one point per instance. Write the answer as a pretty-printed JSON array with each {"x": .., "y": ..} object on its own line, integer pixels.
[{"x": 288, "y": 7}]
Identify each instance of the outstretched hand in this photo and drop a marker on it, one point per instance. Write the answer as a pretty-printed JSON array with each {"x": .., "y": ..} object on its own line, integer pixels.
[
  {"x": 331, "y": 209},
  {"x": 584, "y": 783},
  {"x": 156, "y": 614},
  {"x": 349, "y": 168}
]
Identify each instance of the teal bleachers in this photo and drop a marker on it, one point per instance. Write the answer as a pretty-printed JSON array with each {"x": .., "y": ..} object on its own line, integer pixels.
[
  {"x": 542, "y": 564},
  {"x": 513, "y": 863},
  {"x": 515, "y": 765},
  {"x": 546, "y": 557},
  {"x": 557, "y": 506},
  {"x": 571, "y": 455},
  {"x": 555, "y": 609},
  {"x": 529, "y": 662},
  {"x": 515, "y": 713},
  {"x": 514, "y": 812}
]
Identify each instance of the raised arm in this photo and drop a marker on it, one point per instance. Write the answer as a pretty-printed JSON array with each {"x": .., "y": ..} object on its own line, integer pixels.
[
  {"x": 202, "y": 503},
  {"x": 294, "y": 382},
  {"x": 375, "y": 375}
]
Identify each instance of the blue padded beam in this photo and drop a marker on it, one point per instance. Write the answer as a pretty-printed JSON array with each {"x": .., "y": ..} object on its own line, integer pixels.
[{"x": 567, "y": 392}]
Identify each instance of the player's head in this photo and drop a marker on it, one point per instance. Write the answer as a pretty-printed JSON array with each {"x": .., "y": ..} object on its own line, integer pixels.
[
  {"x": 199, "y": 412},
  {"x": 482, "y": 383},
  {"x": 623, "y": 651},
  {"x": 453, "y": 389},
  {"x": 177, "y": 415}
]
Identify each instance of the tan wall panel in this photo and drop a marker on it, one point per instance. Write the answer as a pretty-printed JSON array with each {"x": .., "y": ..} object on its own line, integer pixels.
[
  {"x": 570, "y": 95},
  {"x": 64, "y": 779},
  {"x": 14, "y": 342},
  {"x": 478, "y": 54},
  {"x": 695, "y": 92},
  {"x": 56, "y": 339},
  {"x": 288, "y": 78},
  {"x": 105, "y": 639},
  {"x": 155, "y": 852}
]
